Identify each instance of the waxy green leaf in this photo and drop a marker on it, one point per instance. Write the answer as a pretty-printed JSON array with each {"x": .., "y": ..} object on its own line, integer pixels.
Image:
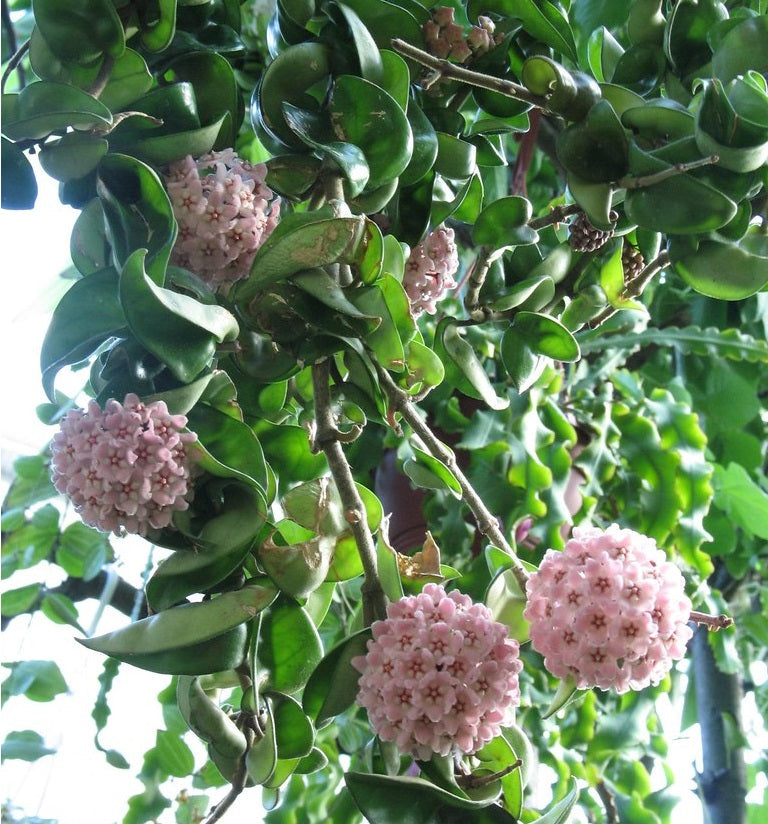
[
  {"x": 332, "y": 687},
  {"x": 44, "y": 107},
  {"x": 82, "y": 32},
  {"x": 289, "y": 647},
  {"x": 179, "y": 330},
  {"x": 191, "y": 639},
  {"x": 220, "y": 548},
  {"x": 370, "y": 118}
]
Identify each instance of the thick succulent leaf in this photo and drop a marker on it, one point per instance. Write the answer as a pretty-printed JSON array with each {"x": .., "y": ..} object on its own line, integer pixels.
[
  {"x": 230, "y": 449},
  {"x": 215, "y": 87},
  {"x": 744, "y": 47},
  {"x": 129, "y": 79},
  {"x": 286, "y": 80},
  {"x": 315, "y": 241},
  {"x": 261, "y": 759},
  {"x": 87, "y": 315},
  {"x": 504, "y": 223},
  {"x": 570, "y": 94},
  {"x": 72, "y": 156},
  {"x": 727, "y": 271},
  {"x": 83, "y": 32},
  {"x": 45, "y": 107},
  {"x": 560, "y": 812},
  {"x": 546, "y": 336},
  {"x": 369, "y": 117},
  {"x": 596, "y": 148},
  {"x": 456, "y": 158},
  {"x": 384, "y": 798},
  {"x": 506, "y": 601},
  {"x": 191, "y": 639},
  {"x": 603, "y": 52},
  {"x": 158, "y": 31},
  {"x": 178, "y": 329},
  {"x": 424, "y": 145},
  {"x": 463, "y": 368},
  {"x": 681, "y": 204},
  {"x": 532, "y": 294},
  {"x": 220, "y": 548},
  {"x": 289, "y": 648},
  {"x": 427, "y": 471},
  {"x": 138, "y": 213},
  {"x": 293, "y": 730},
  {"x": 332, "y": 687},
  {"x": 20, "y": 189},
  {"x": 386, "y": 20},
  {"x": 298, "y": 566}
]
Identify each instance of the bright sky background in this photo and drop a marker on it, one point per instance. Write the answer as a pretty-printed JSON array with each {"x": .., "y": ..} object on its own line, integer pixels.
[{"x": 77, "y": 786}]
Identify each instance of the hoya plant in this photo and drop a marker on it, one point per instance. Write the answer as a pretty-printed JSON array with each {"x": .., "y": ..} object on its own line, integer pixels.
[{"x": 426, "y": 346}]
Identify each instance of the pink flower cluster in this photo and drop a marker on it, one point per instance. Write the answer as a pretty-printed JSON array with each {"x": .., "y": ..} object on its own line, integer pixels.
[
  {"x": 445, "y": 38},
  {"x": 125, "y": 468},
  {"x": 429, "y": 270},
  {"x": 440, "y": 675},
  {"x": 609, "y": 610},
  {"x": 224, "y": 211}
]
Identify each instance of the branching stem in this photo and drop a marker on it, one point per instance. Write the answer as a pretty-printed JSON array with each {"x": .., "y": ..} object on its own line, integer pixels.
[
  {"x": 327, "y": 439},
  {"x": 238, "y": 785},
  {"x": 13, "y": 63},
  {"x": 486, "y": 521},
  {"x": 712, "y": 622},
  {"x": 657, "y": 177},
  {"x": 476, "y": 280},
  {"x": 557, "y": 215},
  {"x": 444, "y": 68},
  {"x": 634, "y": 287}
]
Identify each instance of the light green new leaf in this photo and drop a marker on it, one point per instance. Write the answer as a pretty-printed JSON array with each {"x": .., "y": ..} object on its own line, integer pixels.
[{"x": 746, "y": 502}]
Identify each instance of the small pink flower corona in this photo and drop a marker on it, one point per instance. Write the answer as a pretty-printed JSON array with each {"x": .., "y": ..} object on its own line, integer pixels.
[
  {"x": 429, "y": 270},
  {"x": 224, "y": 210},
  {"x": 440, "y": 675},
  {"x": 126, "y": 468},
  {"x": 609, "y": 610}
]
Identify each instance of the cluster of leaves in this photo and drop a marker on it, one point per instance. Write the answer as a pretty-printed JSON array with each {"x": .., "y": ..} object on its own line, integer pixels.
[{"x": 560, "y": 388}]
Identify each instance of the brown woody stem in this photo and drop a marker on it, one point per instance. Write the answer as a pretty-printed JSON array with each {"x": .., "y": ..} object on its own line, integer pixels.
[
  {"x": 486, "y": 521},
  {"x": 471, "y": 782},
  {"x": 557, "y": 215},
  {"x": 444, "y": 68},
  {"x": 712, "y": 622},
  {"x": 327, "y": 439},
  {"x": 476, "y": 280},
  {"x": 664, "y": 174}
]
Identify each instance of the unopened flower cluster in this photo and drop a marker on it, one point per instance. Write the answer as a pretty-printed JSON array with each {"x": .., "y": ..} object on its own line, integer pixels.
[
  {"x": 224, "y": 210},
  {"x": 609, "y": 610},
  {"x": 440, "y": 675},
  {"x": 445, "y": 38},
  {"x": 429, "y": 270},
  {"x": 125, "y": 468}
]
